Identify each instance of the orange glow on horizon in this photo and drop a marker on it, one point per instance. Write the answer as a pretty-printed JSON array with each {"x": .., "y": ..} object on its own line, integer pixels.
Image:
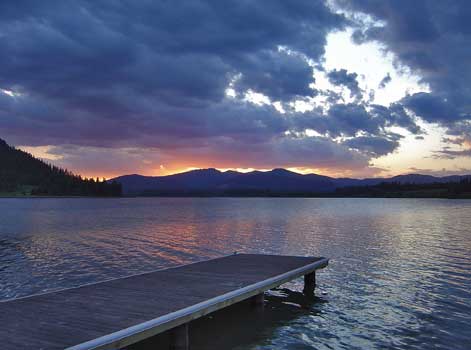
[
  {"x": 174, "y": 164},
  {"x": 173, "y": 171}
]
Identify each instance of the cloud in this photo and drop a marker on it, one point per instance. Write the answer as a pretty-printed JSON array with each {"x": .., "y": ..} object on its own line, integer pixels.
[
  {"x": 441, "y": 172},
  {"x": 364, "y": 128},
  {"x": 348, "y": 119},
  {"x": 431, "y": 38},
  {"x": 301, "y": 152},
  {"x": 279, "y": 75},
  {"x": 395, "y": 115},
  {"x": 385, "y": 81},
  {"x": 433, "y": 108},
  {"x": 374, "y": 145},
  {"x": 458, "y": 141},
  {"x": 108, "y": 162},
  {"x": 452, "y": 154},
  {"x": 140, "y": 74},
  {"x": 99, "y": 79},
  {"x": 339, "y": 120},
  {"x": 341, "y": 77},
  {"x": 184, "y": 53}
]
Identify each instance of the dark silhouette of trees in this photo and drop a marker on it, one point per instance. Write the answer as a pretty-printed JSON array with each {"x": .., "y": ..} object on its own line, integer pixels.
[
  {"x": 22, "y": 173},
  {"x": 460, "y": 189}
]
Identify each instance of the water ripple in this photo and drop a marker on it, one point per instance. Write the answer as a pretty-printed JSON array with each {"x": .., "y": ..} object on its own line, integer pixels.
[{"x": 399, "y": 277}]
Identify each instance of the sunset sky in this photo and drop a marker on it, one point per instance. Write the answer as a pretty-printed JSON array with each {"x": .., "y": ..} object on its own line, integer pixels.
[{"x": 344, "y": 87}]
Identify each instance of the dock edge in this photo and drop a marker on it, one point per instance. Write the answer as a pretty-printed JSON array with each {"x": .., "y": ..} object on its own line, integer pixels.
[{"x": 139, "y": 332}]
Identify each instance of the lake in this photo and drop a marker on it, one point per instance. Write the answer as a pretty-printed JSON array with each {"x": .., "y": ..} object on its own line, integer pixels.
[{"x": 399, "y": 275}]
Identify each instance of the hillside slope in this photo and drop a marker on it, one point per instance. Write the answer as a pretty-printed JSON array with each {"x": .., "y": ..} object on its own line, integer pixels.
[{"x": 23, "y": 174}]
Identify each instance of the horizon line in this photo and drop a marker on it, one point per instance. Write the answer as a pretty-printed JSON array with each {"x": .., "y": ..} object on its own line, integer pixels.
[{"x": 252, "y": 170}]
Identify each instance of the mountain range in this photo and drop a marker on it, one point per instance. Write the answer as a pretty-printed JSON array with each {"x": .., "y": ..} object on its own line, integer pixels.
[
  {"x": 21, "y": 174},
  {"x": 277, "y": 182}
]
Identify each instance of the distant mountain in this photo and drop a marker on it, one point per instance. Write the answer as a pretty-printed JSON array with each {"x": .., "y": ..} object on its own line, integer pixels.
[
  {"x": 23, "y": 174},
  {"x": 191, "y": 181},
  {"x": 213, "y": 181},
  {"x": 274, "y": 182}
]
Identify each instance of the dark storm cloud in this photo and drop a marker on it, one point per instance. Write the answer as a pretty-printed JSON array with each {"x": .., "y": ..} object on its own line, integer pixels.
[
  {"x": 341, "y": 77},
  {"x": 144, "y": 122},
  {"x": 433, "y": 38},
  {"x": 154, "y": 74},
  {"x": 105, "y": 73},
  {"x": 433, "y": 108},
  {"x": 374, "y": 145},
  {"x": 350, "y": 119},
  {"x": 339, "y": 120},
  {"x": 364, "y": 127},
  {"x": 395, "y": 115},
  {"x": 174, "y": 53},
  {"x": 279, "y": 75}
]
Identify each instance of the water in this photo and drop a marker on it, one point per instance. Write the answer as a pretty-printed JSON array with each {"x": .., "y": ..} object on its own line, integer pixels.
[{"x": 399, "y": 277}]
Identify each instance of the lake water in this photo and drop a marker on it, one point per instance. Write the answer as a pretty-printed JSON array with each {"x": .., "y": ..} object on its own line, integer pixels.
[{"x": 399, "y": 276}]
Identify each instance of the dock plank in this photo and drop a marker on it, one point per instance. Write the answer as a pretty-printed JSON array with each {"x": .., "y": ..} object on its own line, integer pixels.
[{"x": 95, "y": 315}]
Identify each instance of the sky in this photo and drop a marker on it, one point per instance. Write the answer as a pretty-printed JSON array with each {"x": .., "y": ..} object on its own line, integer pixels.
[{"x": 356, "y": 88}]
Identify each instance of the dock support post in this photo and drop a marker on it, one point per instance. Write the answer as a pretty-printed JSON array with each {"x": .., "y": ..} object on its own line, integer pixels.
[
  {"x": 258, "y": 301},
  {"x": 309, "y": 283},
  {"x": 179, "y": 339}
]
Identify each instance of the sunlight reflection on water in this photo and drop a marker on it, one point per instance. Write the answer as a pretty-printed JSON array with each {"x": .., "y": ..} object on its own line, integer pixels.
[{"x": 399, "y": 278}]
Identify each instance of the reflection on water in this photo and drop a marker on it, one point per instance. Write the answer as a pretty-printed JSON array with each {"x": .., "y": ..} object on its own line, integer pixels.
[{"x": 399, "y": 278}]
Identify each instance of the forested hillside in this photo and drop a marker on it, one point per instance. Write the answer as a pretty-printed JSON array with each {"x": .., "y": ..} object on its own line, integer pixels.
[
  {"x": 457, "y": 189},
  {"x": 23, "y": 174}
]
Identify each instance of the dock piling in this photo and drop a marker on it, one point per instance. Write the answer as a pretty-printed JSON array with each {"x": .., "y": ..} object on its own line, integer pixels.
[
  {"x": 258, "y": 301},
  {"x": 309, "y": 283},
  {"x": 179, "y": 339}
]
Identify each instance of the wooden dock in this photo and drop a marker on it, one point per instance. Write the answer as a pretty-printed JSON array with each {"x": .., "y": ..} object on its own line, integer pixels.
[{"x": 119, "y": 312}]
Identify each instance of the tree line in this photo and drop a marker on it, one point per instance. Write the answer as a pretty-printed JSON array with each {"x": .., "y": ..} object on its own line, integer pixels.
[
  {"x": 459, "y": 189},
  {"x": 21, "y": 173}
]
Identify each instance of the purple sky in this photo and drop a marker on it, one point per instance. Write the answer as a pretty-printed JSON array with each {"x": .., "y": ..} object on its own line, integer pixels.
[{"x": 343, "y": 87}]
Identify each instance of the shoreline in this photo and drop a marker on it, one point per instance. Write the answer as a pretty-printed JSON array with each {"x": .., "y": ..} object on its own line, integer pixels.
[{"x": 231, "y": 196}]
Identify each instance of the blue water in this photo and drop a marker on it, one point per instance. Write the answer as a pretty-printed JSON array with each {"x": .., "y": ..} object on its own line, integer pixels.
[{"x": 399, "y": 277}]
